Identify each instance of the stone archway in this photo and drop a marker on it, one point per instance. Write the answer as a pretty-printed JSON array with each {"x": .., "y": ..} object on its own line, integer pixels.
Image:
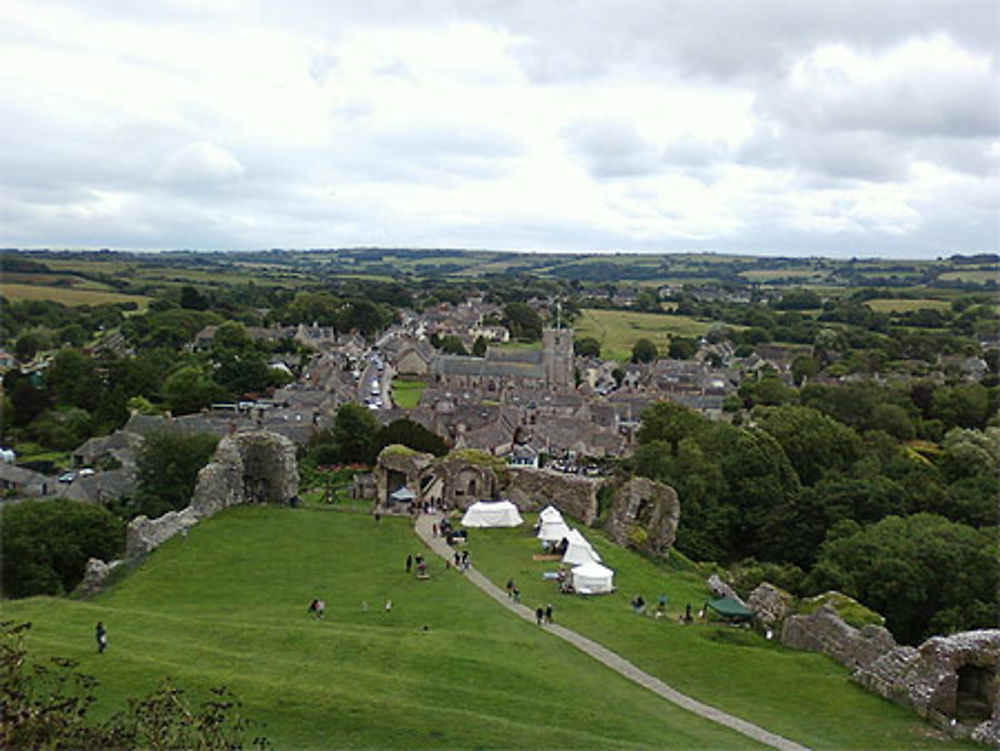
[{"x": 975, "y": 693}]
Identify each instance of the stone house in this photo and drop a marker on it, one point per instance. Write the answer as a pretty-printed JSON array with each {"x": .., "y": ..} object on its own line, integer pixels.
[{"x": 20, "y": 481}]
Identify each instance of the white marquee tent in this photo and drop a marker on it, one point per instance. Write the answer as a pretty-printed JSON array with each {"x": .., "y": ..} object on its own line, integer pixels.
[
  {"x": 492, "y": 514},
  {"x": 593, "y": 578},
  {"x": 549, "y": 514},
  {"x": 579, "y": 550},
  {"x": 553, "y": 531}
]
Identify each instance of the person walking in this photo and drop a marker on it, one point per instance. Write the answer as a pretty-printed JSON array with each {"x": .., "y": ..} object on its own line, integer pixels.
[
  {"x": 510, "y": 588},
  {"x": 101, "y": 634},
  {"x": 539, "y": 615},
  {"x": 516, "y": 594},
  {"x": 409, "y": 563},
  {"x": 548, "y": 613}
]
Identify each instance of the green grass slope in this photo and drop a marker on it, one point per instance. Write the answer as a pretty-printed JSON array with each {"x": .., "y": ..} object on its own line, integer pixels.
[
  {"x": 227, "y": 605},
  {"x": 803, "y": 696}
]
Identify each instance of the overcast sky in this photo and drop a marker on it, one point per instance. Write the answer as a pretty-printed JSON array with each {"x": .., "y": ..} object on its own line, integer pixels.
[{"x": 759, "y": 126}]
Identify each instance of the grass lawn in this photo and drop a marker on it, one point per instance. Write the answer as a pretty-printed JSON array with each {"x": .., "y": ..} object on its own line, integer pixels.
[
  {"x": 619, "y": 330},
  {"x": 805, "y": 697},
  {"x": 406, "y": 393},
  {"x": 68, "y": 295},
  {"x": 445, "y": 668}
]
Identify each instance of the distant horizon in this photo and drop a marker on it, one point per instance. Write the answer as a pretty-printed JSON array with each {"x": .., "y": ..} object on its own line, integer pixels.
[{"x": 404, "y": 249}]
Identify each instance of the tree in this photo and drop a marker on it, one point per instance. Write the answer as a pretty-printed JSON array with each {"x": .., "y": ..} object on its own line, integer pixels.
[
  {"x": 803, "y": 367},
  {"x": 814, "y": 443},
  {"x": 479, "y": 346},
  {"x": 669, "y": 422},
  {"x": 189, "y": 389},
  {"x": 452, "y": 345},
  {"x": 411, "y": 434},
  {"x": 913, "y": 570},
  {"x": 587, "y": 346},
  {"x": 72, "y": 378},
  {"x": 355, "y": 433},
  {"x": 167, "y": 467},
  {"x": 644, "y": 351},
  {"x": 682, "y": 348},
  {"x": 44, "y": 545},
  {"x": 523, "y": 321}
]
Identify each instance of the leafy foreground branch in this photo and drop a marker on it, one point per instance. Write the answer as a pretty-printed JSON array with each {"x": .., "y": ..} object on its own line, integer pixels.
[{"x": 45, "y": 705}]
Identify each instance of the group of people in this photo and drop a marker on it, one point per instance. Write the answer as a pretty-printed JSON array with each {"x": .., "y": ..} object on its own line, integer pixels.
[
  {"x": 461, "y": 560},
  {"x": 317, "y": 607},
  {"x": 421, "y": 564},
  {"x": 543, "y": 615}
]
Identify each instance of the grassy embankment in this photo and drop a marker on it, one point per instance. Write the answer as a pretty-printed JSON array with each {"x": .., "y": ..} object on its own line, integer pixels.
[
  {"x": 227, "y": 605},
  {"x": 805, "y": 697}
]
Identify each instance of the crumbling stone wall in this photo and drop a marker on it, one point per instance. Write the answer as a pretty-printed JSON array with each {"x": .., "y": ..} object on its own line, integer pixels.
[
  {"x": 469, "y": 476},
  {"x": 397, "y": 466},
  {"x": 252, "y": 467},
  {"x": 825, "y": 631},
  {"x": 927, "y": 679},
  {"x": 532, "y": 489},
  {"x": 771, "y": 604},
  {"x": 644, "y": 516}
]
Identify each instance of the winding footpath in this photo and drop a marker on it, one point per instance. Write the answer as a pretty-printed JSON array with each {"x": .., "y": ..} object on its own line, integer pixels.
[{"x": 606, "y": 656}]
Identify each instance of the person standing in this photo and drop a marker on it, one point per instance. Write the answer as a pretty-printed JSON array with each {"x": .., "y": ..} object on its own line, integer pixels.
[
  {"x": 409, "y": 563},
  {"x": 101, "y": 634}
]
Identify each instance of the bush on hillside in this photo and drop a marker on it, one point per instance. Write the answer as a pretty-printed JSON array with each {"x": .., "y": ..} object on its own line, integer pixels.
[{"x": 44, "y": 545}]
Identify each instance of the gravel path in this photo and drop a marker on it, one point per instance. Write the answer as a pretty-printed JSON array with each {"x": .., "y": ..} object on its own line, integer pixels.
[{"x": 604, "y": 655}]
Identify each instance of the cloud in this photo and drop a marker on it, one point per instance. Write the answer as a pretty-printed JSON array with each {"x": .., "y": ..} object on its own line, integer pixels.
[
  {"x": 612, "y": 148},
  {"x": 198, "y": 162},
  {"x": 924, "y": 87},
  {"x": 639, "y": 124}
]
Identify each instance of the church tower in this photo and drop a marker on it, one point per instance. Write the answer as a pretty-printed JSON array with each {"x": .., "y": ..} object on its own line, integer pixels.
[{"x": 557, "y": 358}]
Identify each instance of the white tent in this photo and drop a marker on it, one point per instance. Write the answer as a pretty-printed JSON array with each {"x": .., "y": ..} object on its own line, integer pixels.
[
  {"x": 593, "y": 578},
  {"x": 579, "y": 550},
  {"x": 553, "y": 531},
  {"x": 549, "y": 514},
  {"x": 492, "y": 514}
]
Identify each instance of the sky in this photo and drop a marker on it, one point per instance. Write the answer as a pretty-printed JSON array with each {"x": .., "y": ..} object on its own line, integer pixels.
[{"x": 794, "y": 127}]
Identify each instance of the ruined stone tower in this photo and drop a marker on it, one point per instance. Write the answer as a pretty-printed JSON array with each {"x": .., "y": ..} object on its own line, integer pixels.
[{"x": 557, "y": 358}]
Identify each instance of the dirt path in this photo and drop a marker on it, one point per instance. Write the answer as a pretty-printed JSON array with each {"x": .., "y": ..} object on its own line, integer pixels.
[{"x": 604, "y": 655}]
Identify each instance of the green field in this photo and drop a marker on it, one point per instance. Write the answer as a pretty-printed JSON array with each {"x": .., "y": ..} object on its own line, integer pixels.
[
  {"x": 445, "y": 668},
  {"x": 976, "y": 276},
  {"x": 905, "y": 306},
  {"x": 406, "y": 393},
  {"x": 619, "y": 330},
  {"x": 68, "y": 295}
]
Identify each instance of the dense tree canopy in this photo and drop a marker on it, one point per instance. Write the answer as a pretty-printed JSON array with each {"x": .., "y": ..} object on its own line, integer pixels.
[
  {"x": 167, "y": 469},
  {"x": 925, "y": 574},
  {"x": 44, "y": 545}
]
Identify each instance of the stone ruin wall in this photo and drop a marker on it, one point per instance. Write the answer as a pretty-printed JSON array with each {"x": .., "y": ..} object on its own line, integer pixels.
[
  {"x": 533, "y": 489},
  {"x": 925, "y": 679},
  {"x": 644, "y": 516},
  {"x": 253, "y": 467}
]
